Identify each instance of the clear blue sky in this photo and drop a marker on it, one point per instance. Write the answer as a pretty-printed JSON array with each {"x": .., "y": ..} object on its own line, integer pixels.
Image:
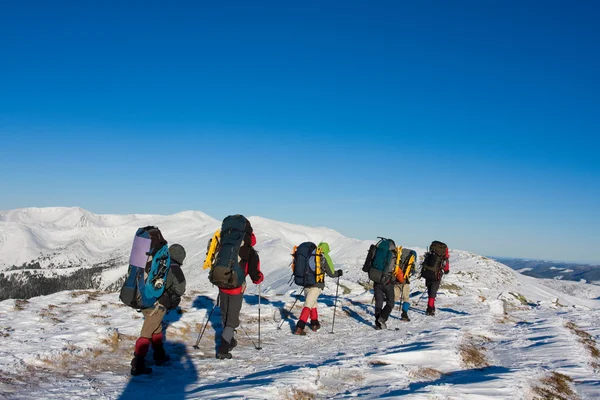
[{"x": 472, "y": 122}]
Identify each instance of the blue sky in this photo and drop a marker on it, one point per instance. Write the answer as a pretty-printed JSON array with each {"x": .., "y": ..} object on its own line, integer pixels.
[{"x": 472, "y": 122}]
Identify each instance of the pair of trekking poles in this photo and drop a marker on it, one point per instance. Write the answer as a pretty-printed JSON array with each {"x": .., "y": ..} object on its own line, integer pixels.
[
  {"x": 201, "y": 333},
  {"x": 258, "y": 347},
  {"x": 337, "y": 289}
]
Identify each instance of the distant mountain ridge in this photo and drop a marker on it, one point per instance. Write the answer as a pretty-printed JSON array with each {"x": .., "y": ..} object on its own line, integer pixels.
[
  {"x": 553, "y": 270},
  {"x": 45, "y": 250}
]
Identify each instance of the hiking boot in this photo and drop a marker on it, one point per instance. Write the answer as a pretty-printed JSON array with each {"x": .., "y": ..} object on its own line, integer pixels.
[
  {"x": 138, "y": 366},
  {"x": 223, "y": 350},
  {"x": 232, "y": 344},
  {"x": 224, "y": 356},
  {"x": 381, "y": 322},
  {"x": 315, "y": 325},
  {"x": 160, "y": 356},
  {"x": 404, "y": 316},
  {"x": 430, "y": 311},
  {"x": 299, "y": 331}
]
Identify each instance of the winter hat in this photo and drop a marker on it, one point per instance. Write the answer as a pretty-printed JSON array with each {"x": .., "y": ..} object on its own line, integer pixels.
[{"x": 177, "y": 253}]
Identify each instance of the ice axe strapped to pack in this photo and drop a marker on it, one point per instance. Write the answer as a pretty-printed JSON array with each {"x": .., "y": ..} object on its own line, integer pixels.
[
  {"x": 149, "y": 264},
  {"x": 225, "y": 270}
]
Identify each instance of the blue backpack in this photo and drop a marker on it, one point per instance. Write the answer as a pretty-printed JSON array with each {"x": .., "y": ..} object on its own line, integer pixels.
[
  {"x": 381, "y": 261},
  {"x": 306, "y": 272},
  {"x": 149, "y": 265}
]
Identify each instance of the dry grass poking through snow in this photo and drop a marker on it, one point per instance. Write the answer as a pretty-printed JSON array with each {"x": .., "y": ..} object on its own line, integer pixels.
[
  {"x": 425, "y": 374},
  {"x": 555, "y": 386},
  {"x": 20, "y": 304},
  {"x": 587, "y": 340},
  {"x": 91, "y": 295},
  {"x": 298, "y": 394},
  {"x": 472, "y": 351}
]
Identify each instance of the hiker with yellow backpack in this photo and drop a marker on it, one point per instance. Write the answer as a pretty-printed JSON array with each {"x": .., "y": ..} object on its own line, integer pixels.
[
  {"x": 406, "y": 269},
  {"x": 309, "y": 266}
]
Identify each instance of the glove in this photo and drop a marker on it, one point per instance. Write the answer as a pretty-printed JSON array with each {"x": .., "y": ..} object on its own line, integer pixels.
[
  {"x": 446, "y": 271},
  {"x": 339, "y": 273},
  {"x": 261, "y": 277}
]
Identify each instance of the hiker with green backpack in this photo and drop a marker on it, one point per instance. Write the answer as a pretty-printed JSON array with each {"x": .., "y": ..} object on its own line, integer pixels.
[
  {"x": 382, "y": 265},
  {"x": 309, "y": 265},
  {"x": 435, "y": 264}
]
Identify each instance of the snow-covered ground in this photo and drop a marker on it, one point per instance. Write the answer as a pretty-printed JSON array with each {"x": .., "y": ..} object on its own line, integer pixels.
[{"x": 497, "y": 334}]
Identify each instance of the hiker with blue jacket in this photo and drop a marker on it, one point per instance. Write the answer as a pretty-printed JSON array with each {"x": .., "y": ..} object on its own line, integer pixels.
[
  {"x": 312, "y": 292},
  {"x": 151, "y": 334}
]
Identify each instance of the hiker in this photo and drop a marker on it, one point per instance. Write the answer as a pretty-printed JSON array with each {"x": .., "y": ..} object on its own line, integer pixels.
[
  {"x": 235, "y": 259},
  {"x": 382, "y": 265},
  {"x": 313, "y": 281},
  {"x": 402, "y": 285},
  {"x": 435, "y": 264},
  {"x": 386, "y": 291},
  {"x": 151, "y": 334}
]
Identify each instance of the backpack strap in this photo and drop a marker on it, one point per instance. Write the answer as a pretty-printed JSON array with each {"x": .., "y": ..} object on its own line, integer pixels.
[{"x": 320, "y": 275}]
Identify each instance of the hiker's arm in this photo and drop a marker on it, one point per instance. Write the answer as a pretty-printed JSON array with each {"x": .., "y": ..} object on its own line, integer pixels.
[
  {"x": 175, "y": 288},
  {"x": 254, "y": 267},
  {"x": 178, "y": 287},
  {"x": 328, "y": 267},
  {"x": 447, "y": 266},
  {"x": 400, "y": 275}
]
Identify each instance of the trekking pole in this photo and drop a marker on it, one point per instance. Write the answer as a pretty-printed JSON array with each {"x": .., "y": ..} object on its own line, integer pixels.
[
  {"x": 201, "y": 333},
  {"x": 335, "y": 304},
  {"x": 258, "y": 347},
  {"x": 248, "y": 336},
  {"x": 283, "y": 319},
  {"x": 401, "y": 296},
  {"x": 422, "y": 294}
]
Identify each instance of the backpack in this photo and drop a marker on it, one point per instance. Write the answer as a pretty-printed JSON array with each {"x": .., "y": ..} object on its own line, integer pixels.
[
  {"x": 306, "y": 265},
  {"x": 381, "y": 261},
  {"x": 225, "y": 271},
  {"x": 149, "y": 265},
  {"x": 408, "y": 268},
  {"x": 433, "y": 261}
]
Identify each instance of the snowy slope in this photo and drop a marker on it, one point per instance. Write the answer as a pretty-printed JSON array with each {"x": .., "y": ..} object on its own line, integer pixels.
[
  {"x": 62, "y": 238},
  {"x": 497, "y": 334}
]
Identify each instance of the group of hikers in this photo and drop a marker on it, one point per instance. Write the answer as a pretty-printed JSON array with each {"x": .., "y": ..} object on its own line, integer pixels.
[{"x": 155, "y": 282}]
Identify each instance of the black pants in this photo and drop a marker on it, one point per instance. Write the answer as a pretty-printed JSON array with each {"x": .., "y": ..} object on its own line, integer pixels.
[
  {"x": 230, "y": 305},
  {"x": 432, "y": 288},
  {"x": 383, "y": 293}
]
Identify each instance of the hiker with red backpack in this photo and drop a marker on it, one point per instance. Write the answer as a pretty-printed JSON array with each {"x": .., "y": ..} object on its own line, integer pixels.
[
  {"x": 435, "y": 264},
  {"x": 310, "y": 265},
  {"x": 234, "y": 259}
]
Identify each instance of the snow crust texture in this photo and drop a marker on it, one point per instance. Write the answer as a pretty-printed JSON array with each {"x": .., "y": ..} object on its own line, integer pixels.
[{"x": 496, "y": 334}]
